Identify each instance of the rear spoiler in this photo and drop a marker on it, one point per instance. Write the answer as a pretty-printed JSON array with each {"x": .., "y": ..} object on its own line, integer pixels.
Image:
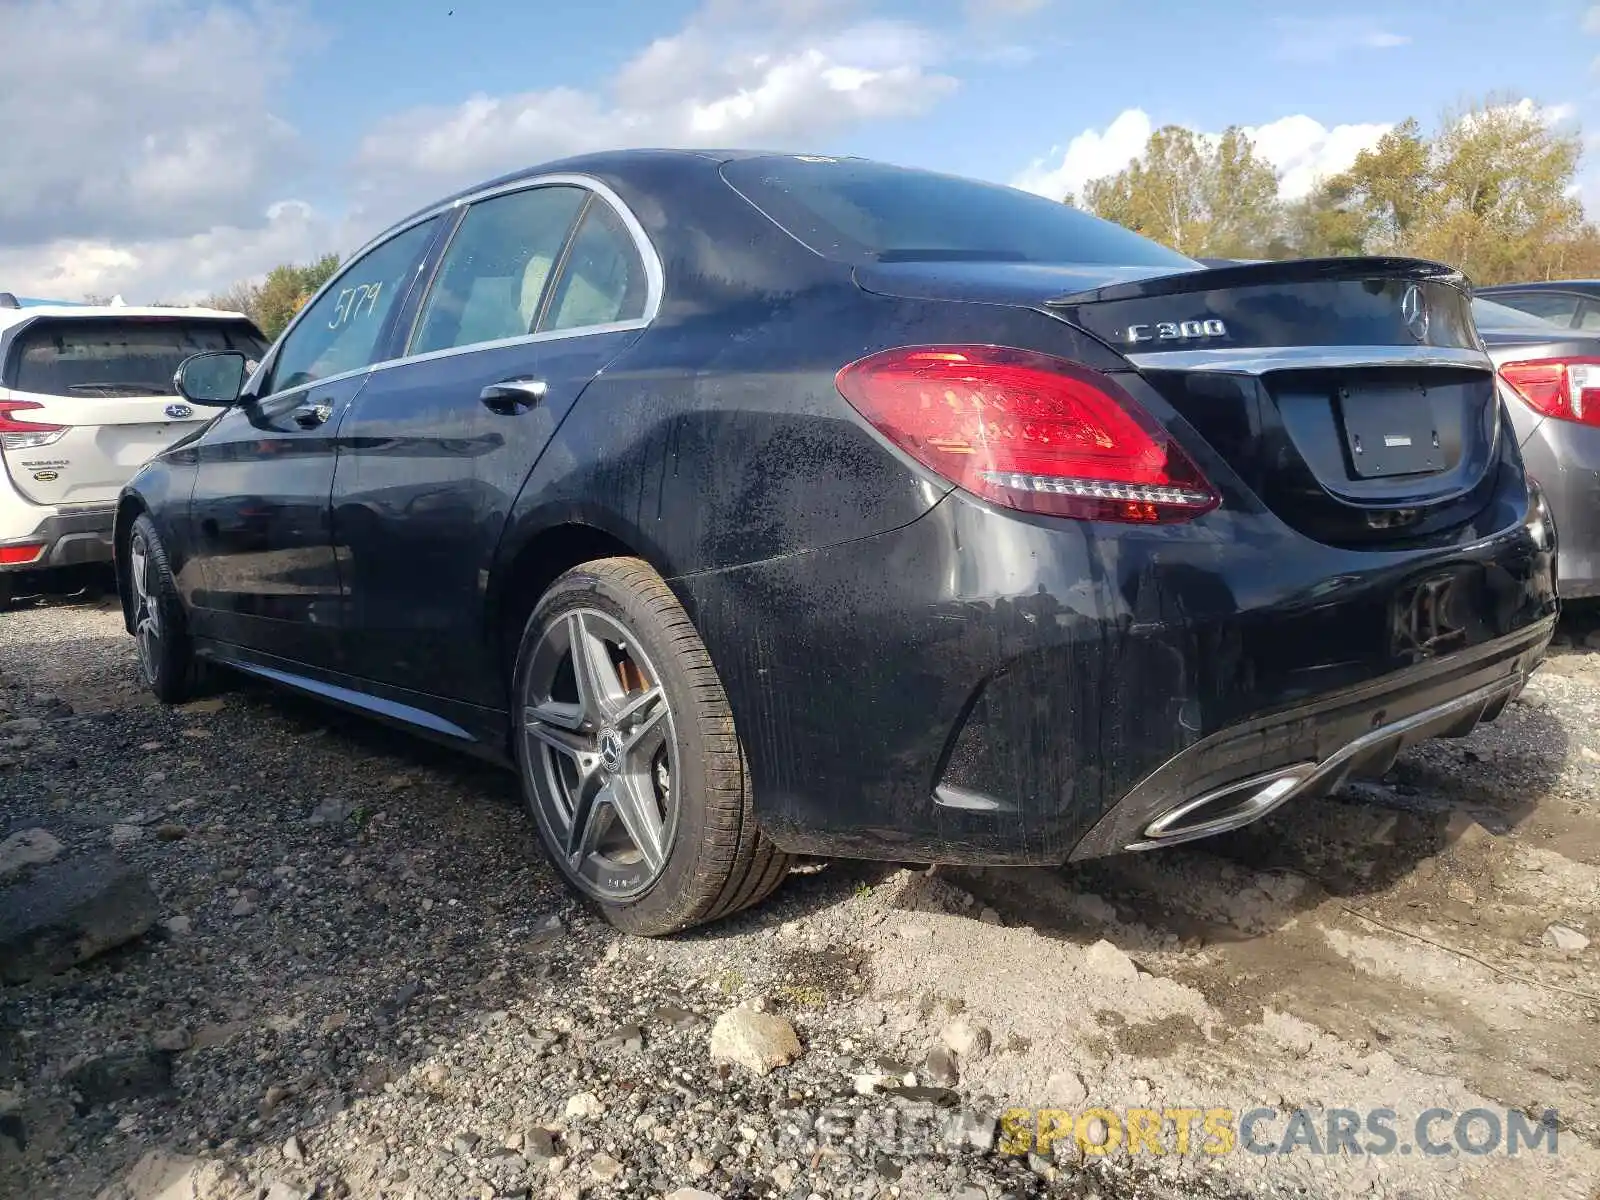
[{"x": 1267, "y": 274}]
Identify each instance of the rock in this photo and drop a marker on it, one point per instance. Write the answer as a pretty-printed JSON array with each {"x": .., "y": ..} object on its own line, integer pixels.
[
  {"x": 1106, "y": 959},
  {"x": 1565, "y": 938},
  {"x": 988, "y": 916},
  {"x": 603, "y": 1168},
  {"x": 243, "y": 907},
  {"x": 867, "y": 1085},
  {"x": 755, "y": 1040},
  {"x": 27, "y": 848},
  {"x": 294, "y": 1151},
  {"x": 1065, "y": 1089},
  {"x": 173, "y": 1040},
  {"x": 627, "y": 1038},
  {"x": 688, "y": 1193},
  {"x": 178, "y": 926},
  {"x": 463, "y": 1144},
  {"x": 276, "y": 1095},
  {"x": 330, "y": 810},
  {"x": 171, "y": 833},
  {"x": 67, "y": 912},
  {"x": 130, "y": 1075},
  {"x": 538, "y": 1142},
  {"x": 969, "y": 1192},
  {"x": 202, "y": 708},
  {"x": 940, "y": 1067},
  {"x": 124, "y": 835},
  {"x": 160, "y": 1175},
  {"x": 21, "y": 725},
  {"x": 583, "y": 1106},
  {"x": 281, "y": 1189},
  {"x": 674, "y": 1017},
  {"x": 965, "y": 1039},
  {"x": 698, "y": 1167}
]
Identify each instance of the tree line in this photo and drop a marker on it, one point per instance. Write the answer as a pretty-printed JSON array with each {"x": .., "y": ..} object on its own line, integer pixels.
[
  {"x": 1492, "y": 191},
  {"x": 272, "y": 302}
]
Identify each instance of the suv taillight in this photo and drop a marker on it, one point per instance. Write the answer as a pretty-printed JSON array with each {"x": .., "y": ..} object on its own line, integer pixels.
[
  {"x": 19, "y": 434},
  {"x": 1028, "y": 431},
  {"x": 1567, "y": 389}
]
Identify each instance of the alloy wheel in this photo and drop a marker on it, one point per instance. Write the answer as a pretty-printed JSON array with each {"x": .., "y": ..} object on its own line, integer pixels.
[
  {"x": 146, "y": 605},
  {"x": 600, "y": 754}
]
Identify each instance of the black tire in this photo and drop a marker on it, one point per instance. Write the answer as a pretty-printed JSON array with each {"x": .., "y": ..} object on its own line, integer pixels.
[
  {"x": 717, "y": 861},
  {"x": 167, "y": 662}
]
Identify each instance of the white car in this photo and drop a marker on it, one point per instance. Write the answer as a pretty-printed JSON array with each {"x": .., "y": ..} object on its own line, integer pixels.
[{"x": 86, "y": 397}]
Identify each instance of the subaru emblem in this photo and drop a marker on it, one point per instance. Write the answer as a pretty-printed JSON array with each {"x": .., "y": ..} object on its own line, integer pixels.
[
  {"x": 179, "y": 412},
  {"x": 1414, "y": 312}
]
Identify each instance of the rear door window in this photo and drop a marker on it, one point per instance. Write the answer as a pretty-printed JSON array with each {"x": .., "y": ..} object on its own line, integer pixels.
[
  {"x": 113, "y": 356},
  {"x": 861, "y": 211},
  {"x": 1559, "y": 307},
  {"x": 492, "y": 280}
]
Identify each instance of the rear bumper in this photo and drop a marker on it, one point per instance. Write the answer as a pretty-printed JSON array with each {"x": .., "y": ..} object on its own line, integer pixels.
[
  {"x": 1233, "y": 777},
  {"x": 979, "y": 687},
  {"x": 70, "y": 537},
  {"x": 1565, "y": 458}
]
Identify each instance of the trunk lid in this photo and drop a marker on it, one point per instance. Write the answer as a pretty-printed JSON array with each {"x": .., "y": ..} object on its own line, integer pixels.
[
  {"x": 1353, "y": 396},
  {"x": 105, "y": 384}
]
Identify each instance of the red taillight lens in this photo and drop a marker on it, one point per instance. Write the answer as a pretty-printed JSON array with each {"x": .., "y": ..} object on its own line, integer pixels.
[
  {"x": 16, "y": 556},
  {"x": 1567, "y": 389},
  {"x": 1028, "y": 431},
  {"x": 12, "y": 424}
]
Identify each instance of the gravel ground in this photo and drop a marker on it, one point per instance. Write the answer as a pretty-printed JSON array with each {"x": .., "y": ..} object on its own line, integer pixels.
[{"x": 364, "y": 980}]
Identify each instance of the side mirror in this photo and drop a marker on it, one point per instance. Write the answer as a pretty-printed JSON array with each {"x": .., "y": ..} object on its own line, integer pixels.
[{"x": 213, "y": 378}]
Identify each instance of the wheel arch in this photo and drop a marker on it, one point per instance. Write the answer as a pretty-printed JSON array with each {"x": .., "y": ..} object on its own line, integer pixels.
[{"x": 540, "y": 554}]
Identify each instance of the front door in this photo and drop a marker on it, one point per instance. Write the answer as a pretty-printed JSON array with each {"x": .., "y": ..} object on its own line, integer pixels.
[
  {"x": 268, "y": 574},
  {"x": 537, "y": 291}
]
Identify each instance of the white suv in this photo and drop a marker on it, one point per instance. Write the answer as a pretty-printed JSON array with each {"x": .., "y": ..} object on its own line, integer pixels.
[{"x": 86, "y": 397}]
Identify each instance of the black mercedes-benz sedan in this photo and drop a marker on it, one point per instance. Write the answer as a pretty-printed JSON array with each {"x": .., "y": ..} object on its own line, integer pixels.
[{"x": 752, "y": 505}]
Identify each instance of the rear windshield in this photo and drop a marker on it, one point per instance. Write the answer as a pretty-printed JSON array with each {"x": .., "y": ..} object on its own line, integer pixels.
[
  {"x": 118, "y": 356},
  {"x": 861, "y": 211}
]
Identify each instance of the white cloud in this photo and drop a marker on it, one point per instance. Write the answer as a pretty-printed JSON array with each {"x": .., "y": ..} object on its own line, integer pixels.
[
  {"x": 170, "y": 269},
  {"x": 129, "y": 118},
  {"x": 1090, "y": 155},
  {"x": 1323, "y": 39},
  {"x": 724, "y": 79},
  {"x": 1301, "y": 150},
  {"x": 149, "y": 162}
]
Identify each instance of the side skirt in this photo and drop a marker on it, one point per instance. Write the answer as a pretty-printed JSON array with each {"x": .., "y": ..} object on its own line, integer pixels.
[{"x": 480, "y": 732}]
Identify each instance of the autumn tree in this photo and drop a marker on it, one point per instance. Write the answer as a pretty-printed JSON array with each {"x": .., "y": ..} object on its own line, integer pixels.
[
  {"x": 1202, "y": 196},
  {"x": 273, "y": 302}
]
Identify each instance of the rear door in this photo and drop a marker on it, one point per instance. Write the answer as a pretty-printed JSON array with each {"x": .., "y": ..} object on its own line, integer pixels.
[
  {"x": 538, "y": 290},
  {"x": 101, "y": 388}
]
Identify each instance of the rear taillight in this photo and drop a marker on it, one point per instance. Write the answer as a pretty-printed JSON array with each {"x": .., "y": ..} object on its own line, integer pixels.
[
  {"x": 19, "y": 434},
  {"x": 17, "y": 556},
  {"x": 1028, "y": 431},
  {"x": 1567, "y": 389}
]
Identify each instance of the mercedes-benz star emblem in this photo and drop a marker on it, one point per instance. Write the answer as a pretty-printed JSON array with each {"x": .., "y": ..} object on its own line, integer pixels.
[{"x": 1414, "y": 312}]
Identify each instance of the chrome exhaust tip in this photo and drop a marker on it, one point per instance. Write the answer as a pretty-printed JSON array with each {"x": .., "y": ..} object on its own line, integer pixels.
[{"x": 1225, "y": 808}]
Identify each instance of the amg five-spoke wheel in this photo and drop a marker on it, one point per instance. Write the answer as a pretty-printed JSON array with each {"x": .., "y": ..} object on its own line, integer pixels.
[
  {"x": 602, "y": 753},
  {"x": 155, "y": 615},
  {"x": 628, "y": 755},
  {"x": 146, "y": 606}
]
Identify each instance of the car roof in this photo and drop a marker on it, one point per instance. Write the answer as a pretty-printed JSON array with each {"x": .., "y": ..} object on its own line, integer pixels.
[
  {"x": 602, "y": 163},
  {"x": 66, "y": 310}
]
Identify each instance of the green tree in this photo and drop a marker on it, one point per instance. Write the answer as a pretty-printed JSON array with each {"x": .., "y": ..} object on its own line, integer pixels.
[
  {"x": 1201, "y": 196},
  {"x": 273, "y": 302}
]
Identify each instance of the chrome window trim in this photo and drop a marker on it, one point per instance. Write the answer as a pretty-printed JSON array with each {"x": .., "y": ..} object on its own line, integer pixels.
[
  {"x": 655, "y": 277},
  {"x": 1258, "y": 360}
]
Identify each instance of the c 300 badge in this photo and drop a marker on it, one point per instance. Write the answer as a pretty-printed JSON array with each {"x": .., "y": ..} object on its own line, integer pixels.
[{"x": 1177, "y": 331}]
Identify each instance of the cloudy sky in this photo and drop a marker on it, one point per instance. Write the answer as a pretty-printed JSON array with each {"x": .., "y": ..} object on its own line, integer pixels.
[{"x": 165, "y": 148}]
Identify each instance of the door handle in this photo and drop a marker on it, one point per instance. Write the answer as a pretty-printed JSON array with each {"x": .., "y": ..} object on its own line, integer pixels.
[
  {"x": 312, "y": 415},
  {"x": 511, "y": 396}
]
